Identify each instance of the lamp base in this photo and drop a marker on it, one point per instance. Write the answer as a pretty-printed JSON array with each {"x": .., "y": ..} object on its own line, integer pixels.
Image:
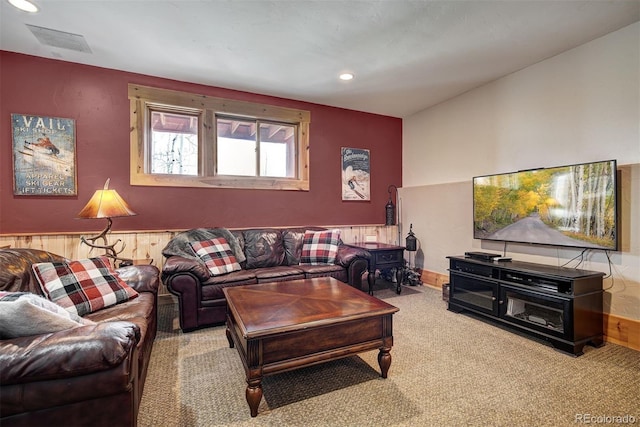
[{"x": 110, "y": 250}]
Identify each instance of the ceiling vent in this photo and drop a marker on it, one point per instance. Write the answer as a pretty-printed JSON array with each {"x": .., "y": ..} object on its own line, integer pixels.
[{"x": 60, "y": 39}]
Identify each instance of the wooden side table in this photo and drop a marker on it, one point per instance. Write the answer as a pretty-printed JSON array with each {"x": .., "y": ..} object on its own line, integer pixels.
[
  {"x": 383, "y": 256},
  {"x": 142, "y": 261},
  {"x": 145, "y": 261}
]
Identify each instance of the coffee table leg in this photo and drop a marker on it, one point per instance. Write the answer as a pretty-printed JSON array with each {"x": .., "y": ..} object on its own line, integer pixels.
[
  {"x": 371, "y": 280},
  {"x": 229, "y": 338},
  {"x": 384, "y": 360},
  {"x": 254, "y": 395}
]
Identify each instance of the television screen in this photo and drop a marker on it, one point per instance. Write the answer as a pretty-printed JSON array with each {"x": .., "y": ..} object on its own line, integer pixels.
[{"x": 562, "y": 206}]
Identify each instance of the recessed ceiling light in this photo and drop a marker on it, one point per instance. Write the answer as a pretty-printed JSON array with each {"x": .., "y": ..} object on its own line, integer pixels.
[
  {"x": 25, "y": 5},
  {"x": 346, "y": 76}
]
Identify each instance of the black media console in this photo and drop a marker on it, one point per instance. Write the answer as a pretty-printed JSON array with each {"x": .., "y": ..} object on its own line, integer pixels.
[{"x": 560, "y": 305}]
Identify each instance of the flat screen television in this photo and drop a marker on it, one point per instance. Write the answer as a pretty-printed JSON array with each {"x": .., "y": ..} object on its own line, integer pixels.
[{"x": 573, "y": 206}]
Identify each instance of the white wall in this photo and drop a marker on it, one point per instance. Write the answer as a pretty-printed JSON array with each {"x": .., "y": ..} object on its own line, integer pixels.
[{"x": 582, "y": 105}]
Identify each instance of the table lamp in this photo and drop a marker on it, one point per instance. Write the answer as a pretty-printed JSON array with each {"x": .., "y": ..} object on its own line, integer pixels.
[{"x": 107, "y": 204}]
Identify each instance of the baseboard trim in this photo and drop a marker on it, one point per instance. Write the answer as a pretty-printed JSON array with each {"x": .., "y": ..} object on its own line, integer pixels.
[
  {"x": 434, "y": 279},
  {"x": 621, "y": 330},
  {"x": 617, "y": 329}
]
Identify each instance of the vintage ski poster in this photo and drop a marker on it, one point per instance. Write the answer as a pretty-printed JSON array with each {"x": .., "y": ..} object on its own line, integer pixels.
[
  {"x": 44, "y": 156},
  {"x": 356, "y": 170}
]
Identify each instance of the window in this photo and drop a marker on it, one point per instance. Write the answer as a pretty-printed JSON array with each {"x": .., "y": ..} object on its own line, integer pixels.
[
  {"x": 174, "y": 143},
  {"x": 182, "y": 139},
  {"x": 241, "y": 150}
]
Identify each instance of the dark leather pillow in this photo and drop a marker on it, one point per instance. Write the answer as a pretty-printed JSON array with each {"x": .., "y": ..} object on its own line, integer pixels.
[
  {"x": 15, "y": 269},
  {"x": 263, "y": 248},
  {"x": 293, "y": 245}
]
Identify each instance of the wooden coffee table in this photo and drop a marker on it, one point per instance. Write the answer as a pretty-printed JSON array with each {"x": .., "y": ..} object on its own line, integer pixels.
[{"x": 282, "y": 326}]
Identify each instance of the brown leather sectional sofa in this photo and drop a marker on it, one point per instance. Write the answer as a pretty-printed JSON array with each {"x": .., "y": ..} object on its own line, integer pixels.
[
  {"x": 88, "y": 375},
  {"x": 271, "y": 255}
]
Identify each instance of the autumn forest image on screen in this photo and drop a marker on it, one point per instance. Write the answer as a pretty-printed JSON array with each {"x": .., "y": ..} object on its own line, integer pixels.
[{"x": 565, "y": 206}]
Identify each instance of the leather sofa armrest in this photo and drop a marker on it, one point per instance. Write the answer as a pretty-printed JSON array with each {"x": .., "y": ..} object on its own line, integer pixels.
[
  {"x": 346, "y": 254},
  {"x": 142, "y": 278},
  {"x": 177, "y": 264},
  {"x": 69, "y": 353}
]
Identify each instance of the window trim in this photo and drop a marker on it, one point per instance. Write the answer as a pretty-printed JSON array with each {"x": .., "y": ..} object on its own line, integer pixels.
[{"x": 141, "y": 97}]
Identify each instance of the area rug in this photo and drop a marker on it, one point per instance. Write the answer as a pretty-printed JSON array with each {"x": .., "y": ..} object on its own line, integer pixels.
[{"x": 447, "y": 369}]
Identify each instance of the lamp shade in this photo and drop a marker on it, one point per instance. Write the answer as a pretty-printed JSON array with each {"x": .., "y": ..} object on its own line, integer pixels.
[{"x": 106, "y": 203}]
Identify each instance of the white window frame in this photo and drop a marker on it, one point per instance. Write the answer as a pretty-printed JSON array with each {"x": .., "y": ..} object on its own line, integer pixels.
[{"x": 144, "y": 98}]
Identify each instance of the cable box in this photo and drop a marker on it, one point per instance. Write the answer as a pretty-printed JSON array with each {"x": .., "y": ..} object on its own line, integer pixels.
[{"x": 484, "y": 256}]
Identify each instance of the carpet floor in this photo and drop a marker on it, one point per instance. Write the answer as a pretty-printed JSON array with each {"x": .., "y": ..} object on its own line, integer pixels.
[{"x": 447, "y": 369}]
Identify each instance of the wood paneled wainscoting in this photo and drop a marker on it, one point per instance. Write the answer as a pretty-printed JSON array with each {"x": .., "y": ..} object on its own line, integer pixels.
[{"x": 149, "y": 244}]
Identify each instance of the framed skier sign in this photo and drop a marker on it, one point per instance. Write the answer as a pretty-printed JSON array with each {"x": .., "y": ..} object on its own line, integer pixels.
[
  {"x": 356, "y": 169},
  {"x": 44, "y": 156}
]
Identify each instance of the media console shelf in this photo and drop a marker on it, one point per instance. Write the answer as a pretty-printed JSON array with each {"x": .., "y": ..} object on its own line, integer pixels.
[{"x": 560, "y": 305}]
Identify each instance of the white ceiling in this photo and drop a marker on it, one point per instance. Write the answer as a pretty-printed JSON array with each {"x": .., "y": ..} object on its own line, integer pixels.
[{"x": 406, "y": 55}]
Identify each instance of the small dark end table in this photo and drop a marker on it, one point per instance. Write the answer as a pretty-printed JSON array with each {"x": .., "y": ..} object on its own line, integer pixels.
[{"x": 383, "y": 256}]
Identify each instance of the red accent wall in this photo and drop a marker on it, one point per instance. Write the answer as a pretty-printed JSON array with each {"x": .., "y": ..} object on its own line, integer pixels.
[{"x": 97, "y": 99}]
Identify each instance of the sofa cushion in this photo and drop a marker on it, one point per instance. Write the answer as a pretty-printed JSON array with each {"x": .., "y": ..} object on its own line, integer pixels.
[
  {"x": 82, "y": 286},
  {"x": 24, "y": 314},
  {"x": 216, "y": 255},
  {"x": 66, "y": 355},
  {"x": 243, "y": 277},
  {"x": 320, "y": 268},
  {"x": 212, "y": 289},
  {"x": 140, "y": 311},
  {"x": 263, "y": 248},
  {"x": 278, "y": 274},
  {"x": 329, "y": 270},
  {"x": 320, "y": 247}
]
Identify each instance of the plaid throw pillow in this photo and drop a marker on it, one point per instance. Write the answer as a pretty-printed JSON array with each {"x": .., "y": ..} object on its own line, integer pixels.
[
  {"x": 217, "y": 255},
  {"x": 320, "y": 247},
  {"x": 82, "y": 286}
]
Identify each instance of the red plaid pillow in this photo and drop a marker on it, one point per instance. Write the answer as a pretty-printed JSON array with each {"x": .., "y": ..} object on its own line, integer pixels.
[
  {"x": 217, "y": 255},
  {"x": 320, "y": 247},
  {"x": 82, "y": 286}
]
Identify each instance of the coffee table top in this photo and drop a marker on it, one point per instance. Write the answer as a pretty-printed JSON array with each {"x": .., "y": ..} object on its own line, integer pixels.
[{"x": 273, "y": 308}]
